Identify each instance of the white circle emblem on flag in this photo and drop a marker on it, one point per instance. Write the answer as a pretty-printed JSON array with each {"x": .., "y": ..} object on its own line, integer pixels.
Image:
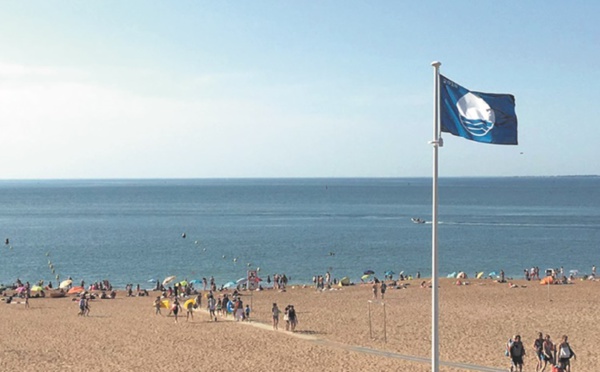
[{"x": 476, "y": 115}]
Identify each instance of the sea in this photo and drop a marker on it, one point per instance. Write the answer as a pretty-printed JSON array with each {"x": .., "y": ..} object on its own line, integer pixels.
[{"x": 140, "y": 231}]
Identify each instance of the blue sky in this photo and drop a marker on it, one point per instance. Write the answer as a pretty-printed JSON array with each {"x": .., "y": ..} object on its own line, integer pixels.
[{"x": 197, "y": 89}]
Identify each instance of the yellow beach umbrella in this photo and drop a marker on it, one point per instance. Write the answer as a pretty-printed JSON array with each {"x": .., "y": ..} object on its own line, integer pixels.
[{"x": 36, "y": 288}]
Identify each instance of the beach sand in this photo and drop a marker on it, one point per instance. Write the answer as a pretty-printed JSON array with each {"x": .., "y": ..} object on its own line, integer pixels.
[{"x": 475, "y": 322}]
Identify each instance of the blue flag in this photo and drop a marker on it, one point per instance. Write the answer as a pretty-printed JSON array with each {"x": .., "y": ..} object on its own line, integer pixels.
[{"x": 481, "y": 117}]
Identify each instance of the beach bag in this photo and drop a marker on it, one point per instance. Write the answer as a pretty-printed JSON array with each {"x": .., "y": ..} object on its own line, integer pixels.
[{"x": 565, "y": 352}]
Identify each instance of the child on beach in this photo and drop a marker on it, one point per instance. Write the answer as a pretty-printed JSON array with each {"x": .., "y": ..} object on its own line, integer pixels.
[
  {"x": 157, "y": 304},
  {"x": 247, "y": 313}
]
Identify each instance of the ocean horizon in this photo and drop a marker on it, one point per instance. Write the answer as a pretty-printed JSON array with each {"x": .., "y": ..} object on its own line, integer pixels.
[{"x": 130, "y": 230}]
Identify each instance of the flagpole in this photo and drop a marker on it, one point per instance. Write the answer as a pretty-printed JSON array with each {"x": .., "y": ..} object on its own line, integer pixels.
[{"x": 437, "y": 142}]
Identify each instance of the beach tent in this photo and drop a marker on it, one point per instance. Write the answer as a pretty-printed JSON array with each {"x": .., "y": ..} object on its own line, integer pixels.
[
  {"x": 547, "y": 280},
  {"x": 345, "y": 281}
]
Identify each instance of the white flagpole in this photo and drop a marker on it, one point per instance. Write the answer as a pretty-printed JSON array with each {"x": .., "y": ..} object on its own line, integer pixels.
[{"x": 437, "y": 142}]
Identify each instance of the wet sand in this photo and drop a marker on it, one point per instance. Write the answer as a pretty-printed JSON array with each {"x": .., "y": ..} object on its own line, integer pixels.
[{"x": 475, "y": 321}]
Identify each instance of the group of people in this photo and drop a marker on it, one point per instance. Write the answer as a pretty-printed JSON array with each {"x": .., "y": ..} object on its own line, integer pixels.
[
  {"x": 546, "y": 352},
  {"x": 289, "y": 316}
]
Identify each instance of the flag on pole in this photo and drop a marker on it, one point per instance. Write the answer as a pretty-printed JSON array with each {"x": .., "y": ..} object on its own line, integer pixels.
[{"x": 481, "y": 117}]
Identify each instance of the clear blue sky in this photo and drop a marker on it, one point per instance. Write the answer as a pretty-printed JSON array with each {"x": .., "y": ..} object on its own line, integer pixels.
[{"x": 186, "y": 89}]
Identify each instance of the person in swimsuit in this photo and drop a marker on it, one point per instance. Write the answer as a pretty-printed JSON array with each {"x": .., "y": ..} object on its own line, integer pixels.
[
  {"x": 275, "y": 311},
  {"x": 175, "y": 308},
  {"x": 548, "y": 351},
  {"x": 538, "y": 347}
]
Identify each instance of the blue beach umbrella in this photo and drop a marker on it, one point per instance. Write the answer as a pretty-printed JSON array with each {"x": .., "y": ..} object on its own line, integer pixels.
[
  {"x": 452, "y": 275},
  {"x": 195, "y": 281},
  {"x": 389, "y": 273},
  {"x": 229, "y": 285},
  {"x": 152, "y": 280}
]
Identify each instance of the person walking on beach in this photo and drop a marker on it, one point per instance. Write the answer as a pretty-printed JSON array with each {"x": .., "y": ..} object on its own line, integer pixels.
[
  {"x": 211, "y": 308},
  {"x": 516, "y": 352},
  {"x": 190, "y": 310},
  {"x": 275, "y": 311},
  {"x": 564, "y": 353},
  {"x": 548, "y": 352},
  {"x": 538, "y": 347},
  {"x": 374, "y": 290},
  {"x": 175, "y": 308},
  {"x": 81, "y": 306},
  {"x": 157, "y": 304},
  {"x": 293, "y": 318},
  {"x": 383, "y": 288}
]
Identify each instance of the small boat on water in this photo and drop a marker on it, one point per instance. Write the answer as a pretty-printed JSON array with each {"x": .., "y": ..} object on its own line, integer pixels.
[{"x": 417, "y": 220}]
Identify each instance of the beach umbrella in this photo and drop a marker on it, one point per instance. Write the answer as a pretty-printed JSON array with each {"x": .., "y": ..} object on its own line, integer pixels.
[
  {"x": 36, "y": 288},
  {"x": 389, "y": 273},
  {"x": 152, "y": 280},
  {"x": 183, "y": 283},
  {"x": 168, "y": 279},
  {"x": 493, "y": 273},
  {"x": 365, "y": 277},
  {"x": 75, "y": 290},
  {"x": 452, "y": 275},
  {"x": 195, "y": 281},
  {"x": 479, "y": 274},
  {"x": 229, "y": 285},
  {"x": 242, "y": 280},
  {"x": 369, "y": 272},
  {"x": 65, "y": 283}
]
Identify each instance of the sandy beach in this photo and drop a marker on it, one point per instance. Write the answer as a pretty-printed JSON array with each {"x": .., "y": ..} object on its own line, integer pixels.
[{"x": 333, "y": 333}]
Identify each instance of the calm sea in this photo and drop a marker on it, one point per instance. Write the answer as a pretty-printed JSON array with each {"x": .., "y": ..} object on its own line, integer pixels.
[{"x": 130, "y": 231}]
